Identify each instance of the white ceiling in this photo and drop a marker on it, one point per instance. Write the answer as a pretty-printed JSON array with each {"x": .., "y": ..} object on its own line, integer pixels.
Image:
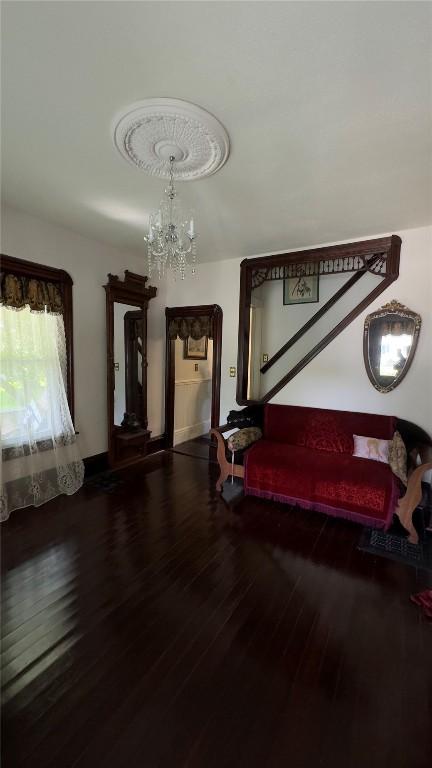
[{"x": 328, "y": 107}]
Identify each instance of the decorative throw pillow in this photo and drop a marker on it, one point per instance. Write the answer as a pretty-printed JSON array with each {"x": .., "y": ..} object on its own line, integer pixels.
[
  {"x": 243, "y": 438},
  {"x": 398, "y": 457},
  {"x": 371, "y": 448}
]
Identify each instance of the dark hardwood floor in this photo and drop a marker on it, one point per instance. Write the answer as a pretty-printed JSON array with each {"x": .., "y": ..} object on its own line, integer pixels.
[
  {"x": 199, "y": 447},
  {"x": 149, "y": 626}
]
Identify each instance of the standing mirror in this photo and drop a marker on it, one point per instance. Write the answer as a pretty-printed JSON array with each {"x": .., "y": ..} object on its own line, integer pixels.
[
  {"x": 389, "y": 343},
  {"x": 126, "y": 313}
]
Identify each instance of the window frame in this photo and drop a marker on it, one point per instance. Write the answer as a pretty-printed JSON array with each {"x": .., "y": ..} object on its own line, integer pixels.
[{"x": 31, "y": 269}]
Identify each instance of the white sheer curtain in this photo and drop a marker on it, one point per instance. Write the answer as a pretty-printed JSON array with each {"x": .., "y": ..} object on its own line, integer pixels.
[{"x": 40, "y": 457}]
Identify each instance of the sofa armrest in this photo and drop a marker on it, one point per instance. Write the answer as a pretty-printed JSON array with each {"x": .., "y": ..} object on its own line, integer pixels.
[
  {"x": 225, "y": 467},
  {"x": 408, "y": 503}
]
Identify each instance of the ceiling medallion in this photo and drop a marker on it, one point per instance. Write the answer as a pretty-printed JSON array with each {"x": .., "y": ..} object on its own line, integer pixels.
[{"x": 152, "y": 131}]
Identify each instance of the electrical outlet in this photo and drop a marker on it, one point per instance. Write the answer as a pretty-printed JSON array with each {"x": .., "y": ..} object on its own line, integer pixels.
[
  {"x": 232, "y": 371},
  {"x": 265, "y": 358},
  {"x": 116, "y": 366},
  {"x": 196, "y": 366}
]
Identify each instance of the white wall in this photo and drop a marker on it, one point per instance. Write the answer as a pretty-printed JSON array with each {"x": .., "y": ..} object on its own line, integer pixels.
[
  {"x": 185, "y": 369},
  {"x": 215, "y": 283},
  {"x": 192, "y": 409},
  {"x": 192, "y": 394},
  {"x": 337, "y": 377},
  {"x": 280, "y": 322},
  {"x": 88, "y": 262}
]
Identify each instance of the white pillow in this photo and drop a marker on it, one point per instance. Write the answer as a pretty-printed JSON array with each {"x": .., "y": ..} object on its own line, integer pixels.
[{"x": 371, "y": 448}]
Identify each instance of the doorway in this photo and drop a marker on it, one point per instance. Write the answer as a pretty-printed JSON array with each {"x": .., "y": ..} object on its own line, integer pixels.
[{"x": 193, "y": 372}]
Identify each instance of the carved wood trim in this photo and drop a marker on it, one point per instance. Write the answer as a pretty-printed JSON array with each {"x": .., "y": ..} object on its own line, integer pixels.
[
  {"x": 214, "y": 312},
  {"x": 31, "y": 269},
  {"x": 132, "y": 290},
  {"x": 380, "y": 249},
  {"x": 314, "y": 319}
]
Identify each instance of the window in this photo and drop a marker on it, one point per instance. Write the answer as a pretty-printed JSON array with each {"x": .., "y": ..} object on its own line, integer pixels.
[
  {"x": 25, "y": 283},
  {"x": 39, "y": 454},
  {"x": 33, "y": 404}
]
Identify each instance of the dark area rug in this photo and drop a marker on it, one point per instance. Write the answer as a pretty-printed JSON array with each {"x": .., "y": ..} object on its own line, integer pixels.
[{"x": 395, "y": 546}]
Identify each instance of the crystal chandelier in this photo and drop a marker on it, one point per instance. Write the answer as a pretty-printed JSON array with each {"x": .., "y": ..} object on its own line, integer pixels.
[{"x": 171, "y": 238}]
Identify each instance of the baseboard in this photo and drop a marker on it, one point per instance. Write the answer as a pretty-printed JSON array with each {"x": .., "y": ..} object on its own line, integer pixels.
[
  {"x": 189, "y": 433},
  {"x": 156, "y": 444}
]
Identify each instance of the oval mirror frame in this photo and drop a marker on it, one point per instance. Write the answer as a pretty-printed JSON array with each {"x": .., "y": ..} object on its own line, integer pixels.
[{"x": 393, "y": 312}]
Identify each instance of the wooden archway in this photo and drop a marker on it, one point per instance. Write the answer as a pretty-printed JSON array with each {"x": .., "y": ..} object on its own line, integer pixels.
[{"x": 214, "y": 313}]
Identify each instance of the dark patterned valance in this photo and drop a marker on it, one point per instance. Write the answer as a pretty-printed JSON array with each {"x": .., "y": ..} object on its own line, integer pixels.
[
  {"x": 195, "y": 327},
  {"x": 18, "y": 292}
]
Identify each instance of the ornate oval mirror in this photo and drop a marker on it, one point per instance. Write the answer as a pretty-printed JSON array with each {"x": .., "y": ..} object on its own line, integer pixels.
[{"x": 389, "y": 343}]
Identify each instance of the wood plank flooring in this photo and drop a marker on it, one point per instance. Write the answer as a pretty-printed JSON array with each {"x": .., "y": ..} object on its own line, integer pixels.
[
  {"x": 199, "y": 448},
  {"x": 151, "y": 627}
]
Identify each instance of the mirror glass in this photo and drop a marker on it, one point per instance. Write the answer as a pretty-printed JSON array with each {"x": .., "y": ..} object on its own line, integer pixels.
[
  {"x": 389, "y": 343},
  {"x": 128, "y": 362}
]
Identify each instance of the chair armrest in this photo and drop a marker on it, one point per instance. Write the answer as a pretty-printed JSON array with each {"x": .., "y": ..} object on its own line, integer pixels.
[
  {"x": 226, "y": 469},
  {"x": 411, "y": 499},
  {"x": 223, "y": 428}
]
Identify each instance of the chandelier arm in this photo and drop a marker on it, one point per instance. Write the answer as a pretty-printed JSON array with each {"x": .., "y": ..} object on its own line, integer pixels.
[{"x": 165, "y": 247}]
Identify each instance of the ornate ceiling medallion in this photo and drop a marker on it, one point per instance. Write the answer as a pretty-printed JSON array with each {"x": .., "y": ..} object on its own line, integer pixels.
[{"x": 152, "y": 131}]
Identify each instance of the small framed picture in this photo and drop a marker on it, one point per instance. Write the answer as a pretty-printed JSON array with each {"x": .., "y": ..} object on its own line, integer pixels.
[
  {"x": 195, "y": 349},
  {"x": 303, "y": 289}
]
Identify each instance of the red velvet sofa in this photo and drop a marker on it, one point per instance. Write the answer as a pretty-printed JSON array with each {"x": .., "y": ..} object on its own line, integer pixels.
[{"x": 305, "y": 458}]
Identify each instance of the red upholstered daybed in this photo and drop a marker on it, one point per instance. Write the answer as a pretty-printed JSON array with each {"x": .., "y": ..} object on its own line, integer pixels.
[{"x": 305, "y": 458}]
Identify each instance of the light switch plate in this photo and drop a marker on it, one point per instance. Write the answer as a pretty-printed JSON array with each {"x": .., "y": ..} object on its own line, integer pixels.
[{"x": 232, "y": 371}]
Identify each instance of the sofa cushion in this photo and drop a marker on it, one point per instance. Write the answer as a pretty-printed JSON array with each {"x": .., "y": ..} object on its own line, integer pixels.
[
  {"x": 335, "y": 483},
  {"x": 398, "y": 457},
  {"x": 325, "y": 432},
  {"x": 371, "y": 448},
  {"x": 323, "y": 429},
  {"x": 240, "y": 440}
]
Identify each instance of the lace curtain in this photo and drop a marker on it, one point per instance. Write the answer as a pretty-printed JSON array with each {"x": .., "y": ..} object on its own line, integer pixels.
[{"x": 40, "y": 457}]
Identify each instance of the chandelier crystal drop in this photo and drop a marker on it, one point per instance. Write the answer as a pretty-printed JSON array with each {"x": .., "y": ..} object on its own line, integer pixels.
[{"x": 171, "y": 237}]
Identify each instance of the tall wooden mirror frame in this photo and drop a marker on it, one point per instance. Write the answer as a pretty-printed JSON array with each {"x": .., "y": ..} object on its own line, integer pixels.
[
  {"x": 125, "y": 448},
  {"x": 380, "y": 255}
]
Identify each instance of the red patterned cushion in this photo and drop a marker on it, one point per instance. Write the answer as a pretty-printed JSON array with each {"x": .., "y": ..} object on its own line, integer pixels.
[
  {"x": 335, "y": 483},
  {"x": 325, "y": 432},
  {"x": 323, "y": 429}
]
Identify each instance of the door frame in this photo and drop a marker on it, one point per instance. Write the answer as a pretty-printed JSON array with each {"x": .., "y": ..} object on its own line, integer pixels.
[{"x": 214, "y": 312}]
